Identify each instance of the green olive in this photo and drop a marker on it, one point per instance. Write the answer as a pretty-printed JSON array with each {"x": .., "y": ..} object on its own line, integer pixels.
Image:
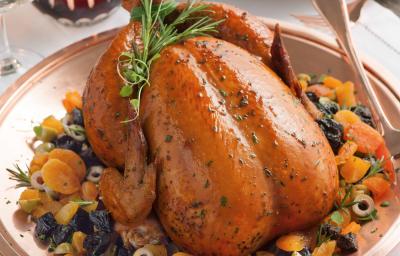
[
  {"x": 44, "y": 147},
  {"x": 47, "y": 134}
]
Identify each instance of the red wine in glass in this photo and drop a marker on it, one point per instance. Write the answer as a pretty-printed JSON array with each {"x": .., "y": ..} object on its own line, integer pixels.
[{"x": 77, "y": 12}]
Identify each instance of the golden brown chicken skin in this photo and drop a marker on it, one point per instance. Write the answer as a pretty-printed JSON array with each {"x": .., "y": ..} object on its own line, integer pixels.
[
  {"x": 240, "y": 161},
  {"x": 104, "y": 110}
]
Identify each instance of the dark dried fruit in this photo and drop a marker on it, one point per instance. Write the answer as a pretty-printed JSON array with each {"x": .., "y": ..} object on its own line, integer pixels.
[
  {"x": 89, "y": 157},
  {"x": 120, "y": 248},
  {"x": 364, "y": 113},
  {"x": 327, "y": 106},
  {"x": 45, "y": 226},
  {"x": 96, "y": 244},
  {"x": 312, "y": 97},
  {"x": 330, "y": 231},
  {"x": 333, "y": 132},
  {"x": 77, "y": 117},
  {"x": 101, "y": 221},
  {"x": 68, "y": 142},
  {"x": 62, "y": 234},
  {"x": 347, "y": 243},
  {"x": 81, "y": 222}
]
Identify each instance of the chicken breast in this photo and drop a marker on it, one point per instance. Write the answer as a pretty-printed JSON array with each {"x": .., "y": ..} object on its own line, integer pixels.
[{"x": 239, "y": 159}]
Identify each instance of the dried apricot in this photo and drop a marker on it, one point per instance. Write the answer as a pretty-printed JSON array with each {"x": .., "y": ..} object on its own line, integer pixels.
[
  {"x": 72, "y": 159},
  {"x": 77, "y": 242},
  {"x": 366, "y": 137},
  {"x": 72, "y": 100},
  {"x": 53, "y": 123},
  {"x": 345, "y": 95},
  {"x": 378, "y": 185},
  {"x": 345, "y": 152},
  {"x": 37, "y": 162},
  {"x": 29, "y": 200},
  {"x": 346, "y": 118},
  {"x": 291, "y": 242},
  {"x": 354, "y": 169},
  {"x": 89, "y": 191},
  {"x": 353, "y": 227},
  {"x": 322, "y": 91},
  {"x": 60, "y": 177},
  {"x": 331, "y": 82},
  {"x": 66, "y": 213},
  {"x": 325, "y": 249}
]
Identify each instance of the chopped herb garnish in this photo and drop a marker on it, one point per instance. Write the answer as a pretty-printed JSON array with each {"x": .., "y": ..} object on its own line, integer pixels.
[
  {"x": 239, "y": 117},
  {"x": 209, "y": 163},
  {"x": 223, "y": 201},
  {"x": 385, "y": 204},
  {"x": 254, "y": 138},
  {"x": 207, "y": 184},
  {"x": 223, "y": 93},
  {"x": 168, "y": 138},
  {"x": 20, "y": 177}
]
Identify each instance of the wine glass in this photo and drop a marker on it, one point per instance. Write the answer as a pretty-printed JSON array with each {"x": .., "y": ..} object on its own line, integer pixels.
[{"x": 13, "y": 61}]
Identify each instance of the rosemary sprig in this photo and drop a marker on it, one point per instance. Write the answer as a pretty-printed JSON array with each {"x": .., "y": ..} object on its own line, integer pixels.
[
  {"x": 19, "y": 176},
  {"x": 375, "y": 168},
  {"x": 134, "y": 65}
]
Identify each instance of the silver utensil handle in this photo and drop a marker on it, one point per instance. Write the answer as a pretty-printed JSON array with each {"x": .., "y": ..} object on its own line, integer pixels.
[{"x": 335, "y": 13}]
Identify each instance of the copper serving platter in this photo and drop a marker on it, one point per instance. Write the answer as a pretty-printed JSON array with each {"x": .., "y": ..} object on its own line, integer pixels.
[{"x": 38, "y": 94}]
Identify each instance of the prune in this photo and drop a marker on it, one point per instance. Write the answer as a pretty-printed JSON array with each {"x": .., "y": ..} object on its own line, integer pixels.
[
  {"x": 327, "y": 106},
  {"x": 81, "y": 222},
  {"x": 96, "y": 244},
  {"x": 347, "y": 243},
  {"x": 62, "y": 234},
  {"x": 67, "y": 142},
  {"x": 45, "y": 226},
  {"x": 313, "y": 97},
  {"x": 77, "y": 117},
  {"x": 333, "y": 132},
  {"x": 89, "y": 157},
  {"x": 330, "y": 231},
  {"x": 101, "y": 221},
  {"x": 364, "y": 113}
]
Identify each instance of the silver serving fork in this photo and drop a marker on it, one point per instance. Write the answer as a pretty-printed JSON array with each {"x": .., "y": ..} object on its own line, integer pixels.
[{"x": 335, "y": 14}]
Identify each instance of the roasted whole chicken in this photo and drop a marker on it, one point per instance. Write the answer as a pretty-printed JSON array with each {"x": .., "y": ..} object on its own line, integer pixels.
[{"x": 225, "y": 149}]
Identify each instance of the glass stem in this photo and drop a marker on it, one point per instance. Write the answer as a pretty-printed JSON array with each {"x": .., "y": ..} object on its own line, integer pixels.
[{"x": 5, "y": 51}]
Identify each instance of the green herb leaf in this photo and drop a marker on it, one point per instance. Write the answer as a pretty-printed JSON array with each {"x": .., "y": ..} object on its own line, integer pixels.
[
  {"x": 337, "y": 217},
  {"x": 223, "y": 201},
  {"x": 126, "y": 91},
  {"x": 38, "y": 130},
  {"x": 168, "y": 138},
  {"x": 385, "y": 204}
]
